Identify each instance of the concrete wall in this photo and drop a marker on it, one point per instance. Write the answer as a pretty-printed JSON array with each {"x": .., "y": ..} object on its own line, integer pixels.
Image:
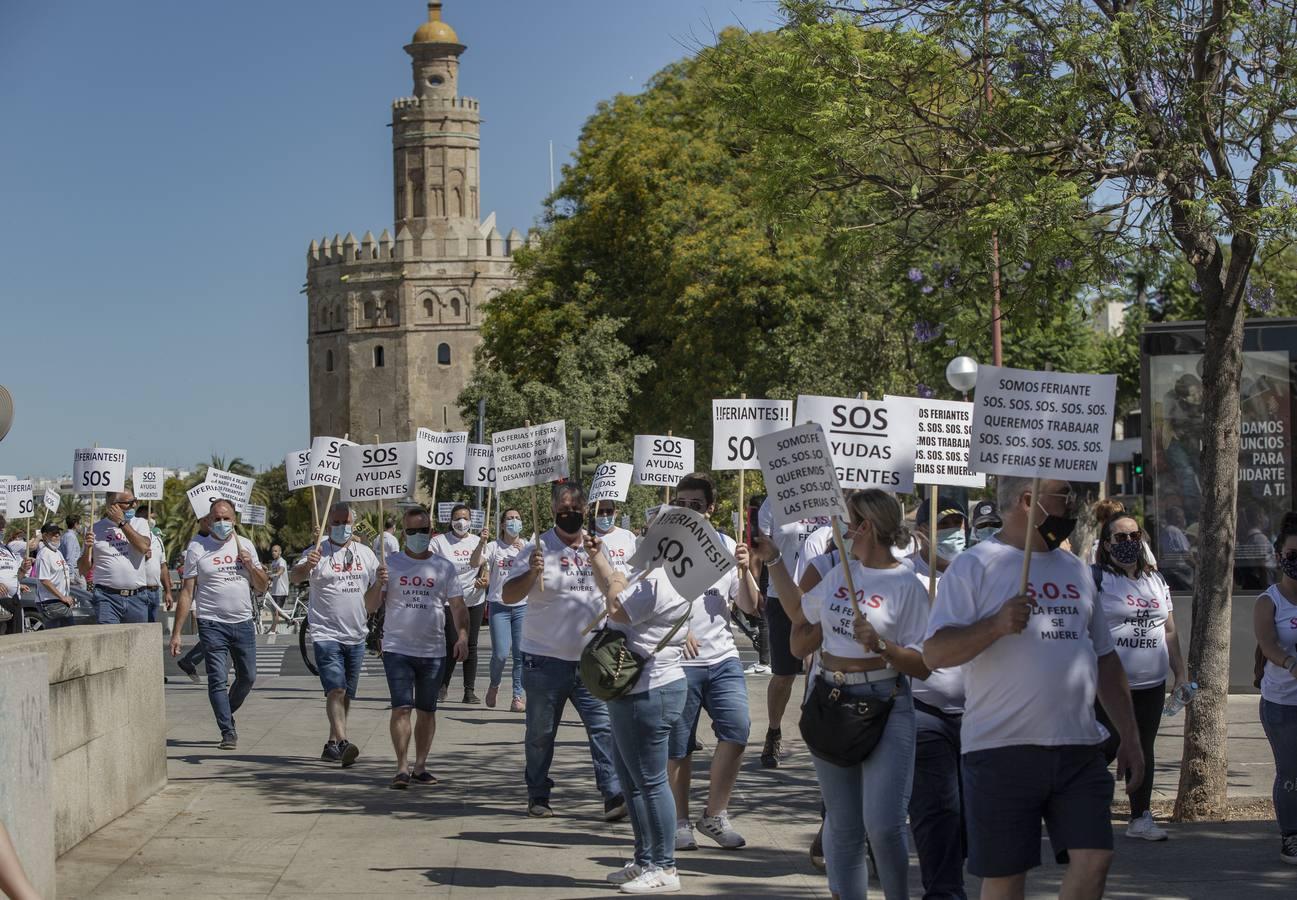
[
  {"x": 107, "y": 721},
  {"x": 25, "y": 764}
]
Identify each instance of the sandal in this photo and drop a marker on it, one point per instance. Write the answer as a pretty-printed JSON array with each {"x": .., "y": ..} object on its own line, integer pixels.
[
  {"x": 401, "y": 781},
  {"x": 424, "y": 777}
]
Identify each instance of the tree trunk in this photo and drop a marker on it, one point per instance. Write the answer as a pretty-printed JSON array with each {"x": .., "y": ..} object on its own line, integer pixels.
[{"x": 1203, "y": 772}]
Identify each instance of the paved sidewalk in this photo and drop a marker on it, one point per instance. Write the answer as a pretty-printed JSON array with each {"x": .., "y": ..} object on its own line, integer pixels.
[{"x": 271, "y": 819}]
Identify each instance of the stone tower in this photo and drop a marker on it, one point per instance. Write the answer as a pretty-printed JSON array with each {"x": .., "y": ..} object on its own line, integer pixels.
[{"x": 392, "y": 324}]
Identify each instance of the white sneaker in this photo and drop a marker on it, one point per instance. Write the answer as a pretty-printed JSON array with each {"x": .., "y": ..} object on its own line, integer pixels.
[
  {"x": 1144, "y": 828},
  {"x": 757, "y": 669},
  {"x": 685, "y": 836},
  {"x": 628, "y": 872},
  {"x": 718, "y": 828},
  {"x": 653, "y": 881}
]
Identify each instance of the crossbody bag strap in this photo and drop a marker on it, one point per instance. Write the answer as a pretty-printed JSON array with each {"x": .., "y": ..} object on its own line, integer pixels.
[{"x": 689, "y": 608}]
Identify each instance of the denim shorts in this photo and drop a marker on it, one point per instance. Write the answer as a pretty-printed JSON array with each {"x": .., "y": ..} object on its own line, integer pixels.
[
  {"x": 413, "y": 680},
  {"x": 339, "y": 666},
  {"x": 720, "y": 689},
  {"x": 1008, "y": 790}
]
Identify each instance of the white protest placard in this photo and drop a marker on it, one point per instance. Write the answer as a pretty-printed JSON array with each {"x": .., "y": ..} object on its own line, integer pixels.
[
  {"x": 479, "y": 466},
  {"x": 441, "y": 450},
  {"x": 530, "y": 456},
  {"x": 325, "y": 464},
  {"x": 253, "y": 515},
  {"x": 611, "y": 482},
  {"x": 4, "y": 497},
  {"x": 736, "y": 424},
  {"x": 662, "y": 460},
  {"x": 201, "y": 496},
  {"x": 377, "y": 471},
  {"x": 235, "y": 488},
  {"x": 98, "y": 469},
  {"x": 872, "y": 442},
  {"x": 476, "y": 519},
  {"x": 800, "y": 477},
  {"x": 651, "y": 513},
  {"x": 443, "y": 511},
  {"x": 18, "y": 499},
  {"x": 52, "y": 500},
  {"x": 148, "y": 481},
  {"x": 943, "y": 430},
  {"x": 297, "y": 465},
  {"x": 1042, "y": 424},
  {"x": 687, "y": 548}
]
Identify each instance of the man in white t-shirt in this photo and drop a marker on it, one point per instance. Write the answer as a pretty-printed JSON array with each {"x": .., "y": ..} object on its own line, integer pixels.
[
  {"x": 1033, "y": 663},
  {"x": 715, "y": 682},
  {"x": 344, "y": 576},
  {"x": 386, "y": 543},
  {"x": 157, "y": 578},
  {"x": 278, "y": 572},
  {"x": 221, "y": 573},
  {"x": 114, "y": 556},
  {"x": 55, "y": 590},
  {"x": 421, "y": 586},
  {"x": 459, "y": 548},
  {"x": 618, "y": 543},
  {"x": 555, "y": 578}
]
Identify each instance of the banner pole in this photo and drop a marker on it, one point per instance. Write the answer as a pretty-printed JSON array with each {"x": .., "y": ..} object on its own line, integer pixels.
[
  {"x": 932, "y": 543},
  {"x": 742, "y": 512},
  {"x": 1027, "y": 542},
  {"x": 315, "y": 511},
  {"x": 846, "y": 566},
  {"x": 382, "y": 528},
  {"x": 535, "y": 522},
  {"x": 666, "y": 488}
]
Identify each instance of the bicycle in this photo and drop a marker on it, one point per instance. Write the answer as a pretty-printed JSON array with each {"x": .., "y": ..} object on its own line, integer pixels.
[
  {"x": 294, "y": 615},
  {"x": 373, "y": 640}
]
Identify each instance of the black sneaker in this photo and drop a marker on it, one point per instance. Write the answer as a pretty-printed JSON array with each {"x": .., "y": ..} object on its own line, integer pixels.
[
  {"x": 770, "y": 751},
  {"x": 538, "y": 808},
  {"x": 614, "y": 809},
  {"x": 229, "y": 741},
  {"x": 471, "y": 697},
  {"x": 189, "y": 670},
  {"x": 349, "y": 753},
  {"x": 1288, "y": 849},
  {"x": 817, "y": 850},
  {"x": 332, "y": 753}
]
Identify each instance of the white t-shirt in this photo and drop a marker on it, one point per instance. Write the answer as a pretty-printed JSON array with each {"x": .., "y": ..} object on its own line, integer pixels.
[
  {"x": 557, "y": 615},
  {"x": 1037, "y": 687},
  {"x": 117, "y": 564},
  {"x": 223, "y": 591},
  {"x": 418, "y": 590},
  {"x": 153, "y": 564},
  {"x": 654, "y": 607},
  {"x": 709, "y": 620},
  {"x": 815, "y": 552},
  {"x": 8, "y": 573},
  {"x": 1136, "y": 611},
  {"x": 893, "y": 601},
  {"x": 279, "y": 577},
  {"x": 943, "y": 688},
  {"x": 619, "y": 547},
  {"x": 336, "y": 610},
  {"x": 788, "y": 538},
  {"x": 51, "y": 567},
  {"x": 1277, "y": 685},
  {"x": 386, "y": 542},
  {"x": 459, "y": 551},
  {"x": 499, "y": 558}
]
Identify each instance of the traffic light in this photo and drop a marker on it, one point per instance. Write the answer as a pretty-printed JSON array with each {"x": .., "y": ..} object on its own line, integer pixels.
[
  {"x": 587, "y": 451},
  {"x": 1137, "y": 473}
]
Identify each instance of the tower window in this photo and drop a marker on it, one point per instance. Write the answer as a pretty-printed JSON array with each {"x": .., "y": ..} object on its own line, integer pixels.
[
  {"x": 436, "y": 80},
  {"x": 328, "y": 361},
  {"x": 443, "y": 354},
  {"x": 378, "y": 357}
]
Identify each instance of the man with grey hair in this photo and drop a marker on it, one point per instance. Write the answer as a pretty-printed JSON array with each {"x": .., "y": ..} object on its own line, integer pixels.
[
  {"x": 1033, "y": 663},
  {"x": 554, "y": 575},
  {"x": 343, "y": 574},
  {"x": 115, "y": 550}
]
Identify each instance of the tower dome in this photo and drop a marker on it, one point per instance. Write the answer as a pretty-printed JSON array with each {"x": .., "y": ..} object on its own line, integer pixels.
[{"x": 435, "y": 31}]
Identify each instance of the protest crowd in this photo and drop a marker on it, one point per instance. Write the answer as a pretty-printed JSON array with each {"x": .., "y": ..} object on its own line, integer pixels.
[{"x": 958, "y": 672}]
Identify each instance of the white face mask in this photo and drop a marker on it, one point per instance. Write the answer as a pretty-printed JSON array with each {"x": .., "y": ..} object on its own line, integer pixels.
[
  {"x": 513, "y": 526},
  {"x": 950, "y": 542},
  {"x": 460, "y": 527}
]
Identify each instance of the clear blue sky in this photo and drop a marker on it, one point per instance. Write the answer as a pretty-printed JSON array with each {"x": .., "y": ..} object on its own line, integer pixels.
[{"x": 165, "y": 164}]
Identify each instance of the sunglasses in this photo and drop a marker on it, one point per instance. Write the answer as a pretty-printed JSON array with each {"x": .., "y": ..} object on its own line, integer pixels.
[
  {"x": 696, "y": 505},
  {"x": 1121, "y": 537},
  {"x": 348, "y": 560},
  {"x": 418, "y": 531}
]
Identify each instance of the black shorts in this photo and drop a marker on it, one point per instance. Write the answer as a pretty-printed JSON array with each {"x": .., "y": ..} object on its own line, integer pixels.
[
  {"x": 782, "y": 661},
  {"x": 1008, "y": 790}
]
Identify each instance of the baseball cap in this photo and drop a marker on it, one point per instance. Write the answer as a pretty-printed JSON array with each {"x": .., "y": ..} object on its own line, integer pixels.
[
  {"x": 985, "y": 512},
  {"x": 946, "y": 506}
]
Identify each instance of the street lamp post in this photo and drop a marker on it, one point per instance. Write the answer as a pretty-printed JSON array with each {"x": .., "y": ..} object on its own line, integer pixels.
[{"x": 961, "y": 373}]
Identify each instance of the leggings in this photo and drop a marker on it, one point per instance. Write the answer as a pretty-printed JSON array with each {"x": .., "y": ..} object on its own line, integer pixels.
[
  {"x": 475, "y": 614},
  {"x": 1148, "y": 704}
]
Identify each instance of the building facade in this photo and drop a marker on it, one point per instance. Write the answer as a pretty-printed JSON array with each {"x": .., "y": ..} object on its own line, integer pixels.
[{"x": 392, "y": 323}]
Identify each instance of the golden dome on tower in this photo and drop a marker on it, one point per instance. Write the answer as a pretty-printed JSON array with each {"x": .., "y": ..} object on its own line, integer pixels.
[{"x": 435, "y": 31}]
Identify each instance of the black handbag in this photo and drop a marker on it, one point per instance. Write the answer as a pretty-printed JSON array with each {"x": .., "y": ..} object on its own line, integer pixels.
[{"x": 841, "y": 729}]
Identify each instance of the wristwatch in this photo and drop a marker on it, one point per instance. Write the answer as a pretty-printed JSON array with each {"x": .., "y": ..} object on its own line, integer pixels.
[{"x": 882, "y": 646}]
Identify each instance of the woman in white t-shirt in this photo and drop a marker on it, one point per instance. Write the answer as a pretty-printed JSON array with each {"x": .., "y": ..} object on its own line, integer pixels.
[
  {"x": 504, "y": 621},
  {"x": 1137, "y": 609},
  {"x": 458, "y": 546},
  {"x": 869, "y": 648},
  {"x": 1274, "y": 618}
]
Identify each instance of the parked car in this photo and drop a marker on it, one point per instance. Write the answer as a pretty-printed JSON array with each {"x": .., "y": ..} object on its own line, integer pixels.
[{"x": 34, "y": 618}]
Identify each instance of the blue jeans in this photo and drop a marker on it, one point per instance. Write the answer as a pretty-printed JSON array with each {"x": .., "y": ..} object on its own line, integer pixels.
[
  {"x": 223, "y": 641},
  {"x": 871, "y": 800},
  {"x": 641, "y": 726},
  {"x": 195, "y": 655},
  {"x": 722, "y": 690},
  {"x": 152, "y": 601},
  {"x": 339, "y": 666},
  {"x": 550, "y": 683},
  {"x": 506, "y": 637},
  {"x": 114, "y": 609},
  {"x": 413, "y": 681},
  {"x": 57, "y": 621},
  {"x": 936, "y": 806},
  {"x": 1280, "y": 723}
]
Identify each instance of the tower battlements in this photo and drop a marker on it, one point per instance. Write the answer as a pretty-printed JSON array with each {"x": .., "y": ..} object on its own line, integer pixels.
[
  {"x": 429, "y": 102},
  {"x": 343, "y": 250}
]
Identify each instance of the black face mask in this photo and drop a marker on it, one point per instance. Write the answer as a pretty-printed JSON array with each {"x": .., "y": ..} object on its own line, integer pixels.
[
  {"x": 1055, "y": 529},
  {"x": 568, "y": 522}
]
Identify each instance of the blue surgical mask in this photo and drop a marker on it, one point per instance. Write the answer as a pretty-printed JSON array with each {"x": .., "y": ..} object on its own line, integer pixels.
[
  {"x": 340, "y": 534},
  {"x": 985, "y": 533},
  {"x": 605, "y": 523},
  {"x": 417, "y": 543},
  {"x": 513, "y": 526},
  {"x": 950, "y": 542},
  {"x": 130, "y": 514},
  {"x": 222, "y": 529}
]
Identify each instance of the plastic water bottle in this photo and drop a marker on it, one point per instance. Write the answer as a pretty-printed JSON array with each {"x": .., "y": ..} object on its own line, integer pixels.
[{"x": 1180, "y": 698}]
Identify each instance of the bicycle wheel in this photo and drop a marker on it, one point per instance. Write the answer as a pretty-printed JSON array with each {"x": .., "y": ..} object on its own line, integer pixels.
[{"x": 307, "y": 647}]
